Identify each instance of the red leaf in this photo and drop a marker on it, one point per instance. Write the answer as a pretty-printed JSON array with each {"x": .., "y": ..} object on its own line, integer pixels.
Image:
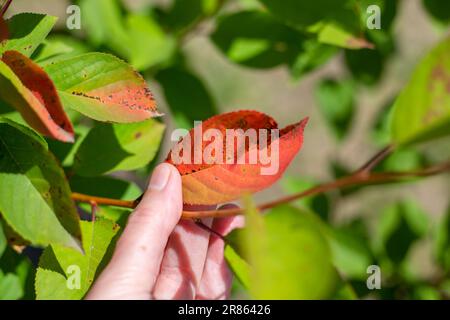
[
  {"x": 207, "y": 183},
  {"x": 4, "y": 33},
  {"x": 39, "y": 102}
]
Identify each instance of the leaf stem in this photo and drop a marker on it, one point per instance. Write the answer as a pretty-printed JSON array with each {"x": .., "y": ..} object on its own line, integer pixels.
[
  {"x": 5, "y": 7},
  {"x": 354, "y": 179},
  {"x": 103, "y": 201},
  {"x": 375, "y": 160}
]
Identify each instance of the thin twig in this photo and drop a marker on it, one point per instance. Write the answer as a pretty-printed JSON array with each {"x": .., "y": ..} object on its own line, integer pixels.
[
  {"x": 5, "y": 7},
  {"x": 203, "y": 226},
  {"x": 345, "y": 182},
  {"x": 104, "y": 201},
  {"x": 94, "y": 209},
  {"x": 375, "y": 160}
]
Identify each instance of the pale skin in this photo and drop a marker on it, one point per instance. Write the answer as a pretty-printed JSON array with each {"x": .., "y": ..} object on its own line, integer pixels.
[{"x": 159, "y": 256}]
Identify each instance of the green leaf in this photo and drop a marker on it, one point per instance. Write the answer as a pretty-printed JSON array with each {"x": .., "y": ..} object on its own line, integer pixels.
[
  {"x": 187, "y": 96},
  {"x": 366, "y": 65},
  {"x": 103, "y": 22},
  {"x": 345, "y": 292},
  {"x": 183, "y": 13},
  {"x": 442, "y": 242},
  {"x": 2, "y": 240},
  {"x": 334, "y": 34},
  {"x": 105, "y": 25},
  {"x": 313, "y": 55},
  {"x": 439, "y": 9},
  {"x": 35, "y": 196},
  {"x": 54, "y": 270},
  {"x": 403, "y": 160},
  {"x": 58, "y": 47},
  {"x": 336, "y": 102},
  {"x": 422, "y": 110},
  {"x": 114, "y": 147},
  {"x": 27, "y": 32},
  {"x": 157, "y": 48},
  {"x": 10, "y": 287},
  {"x": 305, "y": 13},
  {"x": 399, "y": 227},
  {"x": 102, "y": 87},
  {"x": 21, "y": 267},
  {"x": 255, "y": 39},
  {"x": 51, "y": 285},
  {"x": 289, "y": 256},
  {"x": 424, "y": 292},
  {"x": 351, "y": 252},
  {"x": 65, "y": 152},
  {"x": 238, "y": 265}
]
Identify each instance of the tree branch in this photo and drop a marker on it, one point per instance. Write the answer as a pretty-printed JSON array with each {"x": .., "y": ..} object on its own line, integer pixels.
[{"x": 352, "y": 180}]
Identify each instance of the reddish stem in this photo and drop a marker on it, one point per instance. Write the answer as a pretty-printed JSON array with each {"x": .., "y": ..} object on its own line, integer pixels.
[{"x": 5, "y": 7}]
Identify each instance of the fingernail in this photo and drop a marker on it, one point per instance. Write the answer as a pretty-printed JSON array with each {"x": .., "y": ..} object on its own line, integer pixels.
[{"x": 160, "y": 177}]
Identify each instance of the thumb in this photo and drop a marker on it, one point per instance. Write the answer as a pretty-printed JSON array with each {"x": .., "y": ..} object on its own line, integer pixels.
[{"x": 134, "y": 267}]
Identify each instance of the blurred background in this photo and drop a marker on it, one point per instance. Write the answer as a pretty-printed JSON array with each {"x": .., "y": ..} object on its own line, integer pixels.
[{"x": 186, "y": 56}]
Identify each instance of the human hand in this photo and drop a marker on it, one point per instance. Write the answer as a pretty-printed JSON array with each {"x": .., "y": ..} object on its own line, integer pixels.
[{"x": 160, "y": 257}]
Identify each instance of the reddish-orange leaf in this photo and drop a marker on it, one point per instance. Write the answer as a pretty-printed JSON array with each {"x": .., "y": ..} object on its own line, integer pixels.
[
  {"x": 215, "y": 178},
  {"x": 34, "y": 95},
  {"x": 4, "y": 33}
]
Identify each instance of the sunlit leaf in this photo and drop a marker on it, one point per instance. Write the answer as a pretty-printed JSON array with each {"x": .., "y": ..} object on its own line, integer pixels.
[
  {"x": 102, "y": 87},
  {"x": 210, "y": 180}
]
